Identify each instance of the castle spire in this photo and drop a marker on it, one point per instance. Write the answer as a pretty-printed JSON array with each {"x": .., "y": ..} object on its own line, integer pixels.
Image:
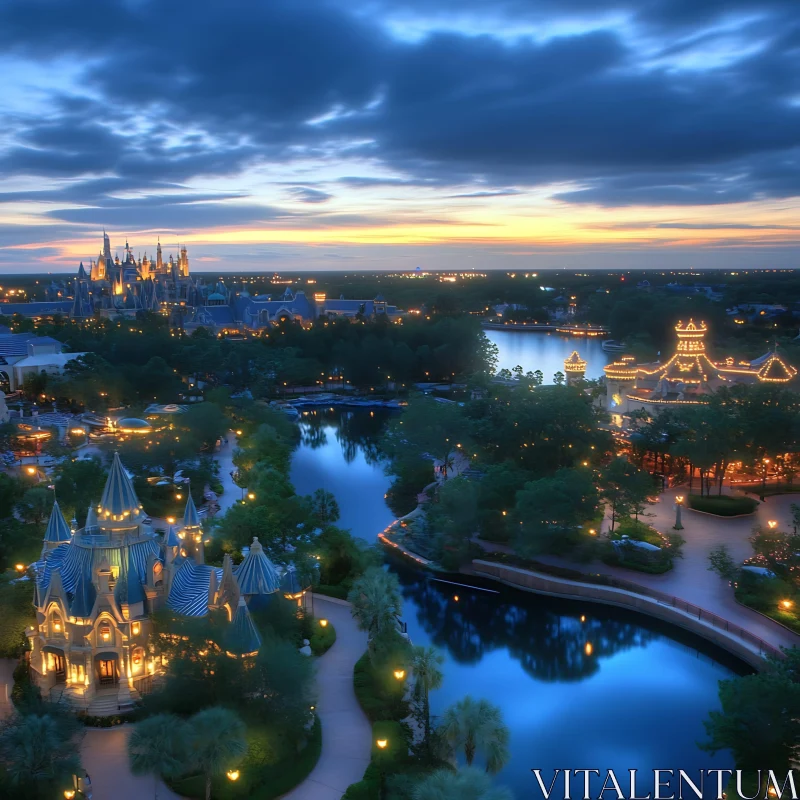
[
  {"x": 57, "y": 530},
  {"x": 119, "y": 497}
]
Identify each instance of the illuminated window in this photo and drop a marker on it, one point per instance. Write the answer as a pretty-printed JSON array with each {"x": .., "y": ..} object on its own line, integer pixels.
[
  {"x": 135, "y": 628},
  {"x": 57, "y": 624},
  {"x": 105, "y": 633}
]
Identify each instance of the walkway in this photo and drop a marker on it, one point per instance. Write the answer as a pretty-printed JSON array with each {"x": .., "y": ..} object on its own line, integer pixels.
[
  {"x": 346, "y": 732},
  {"x": 690, "y": 579},
  {"x": 104, "y": 753}
]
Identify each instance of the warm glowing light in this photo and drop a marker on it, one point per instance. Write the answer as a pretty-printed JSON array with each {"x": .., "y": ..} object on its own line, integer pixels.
[
  {"x": 238, "y": 433},
  {"x": 135, "y": 628},
  {"x": 77, "y": 431},
  {"x": 382, "y": 743},
  {"x": 786, "y": 604},
  {"x": 233, "y": 774},
  {"x": 592, "y": 532},
  {"x": 455, "y": 597},
  {"x": 57, "y": 625},
  {"x": 19, "y": 567},
  {"x": 588, "y": 649},
  {"x": 772, "y": 524},
  {"x": 399, "y": 674},
  {"x": 679, "y": 499},
  {"x": 583, "y": 618},
  {"x": 251, "y": 496},
  {"x": 30, "y": 470},
  {"x": 69, "y": 793},
  {"x": 323, "y": 623},
  {"x": 179, "y": 497},
  {"x": 171, "y": 520}
]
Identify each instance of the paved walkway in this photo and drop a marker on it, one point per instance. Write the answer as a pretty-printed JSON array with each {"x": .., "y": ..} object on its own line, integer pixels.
[
  {"x": 690, "y": 579},
  {"x": 346, "y": 732},
  {"x": 7, "y": 667},
  {"x": 104, "y": 754}
]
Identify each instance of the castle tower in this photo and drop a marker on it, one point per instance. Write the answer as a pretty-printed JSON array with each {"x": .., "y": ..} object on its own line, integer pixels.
[
  {"x": 192, "y": 533},
  {"x": 574, "y": 368},
  {"x": 183, "y": 263},
  {"x": 620, "y": 377},
  {"x": 159, "y": 260},
  {"x": 57, "y": 531}
]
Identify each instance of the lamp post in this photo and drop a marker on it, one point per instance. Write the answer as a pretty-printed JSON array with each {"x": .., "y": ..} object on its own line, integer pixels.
[{"x": 678, "y": 503}]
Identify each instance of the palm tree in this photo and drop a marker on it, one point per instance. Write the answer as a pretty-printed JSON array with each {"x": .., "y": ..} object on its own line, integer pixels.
[
  {"x": 375, "y": 598},
  {"x": 217, "y": 742},
  {"x": 159, "y": 745},
  {"x": 425, "y": 663},
  {"x": 464, "y": 784},
  {"x": 477, "y": 725},
  {"x": 38, "y": 749}
]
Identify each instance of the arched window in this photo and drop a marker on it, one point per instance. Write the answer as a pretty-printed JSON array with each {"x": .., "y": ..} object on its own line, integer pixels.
[
  {"x": 57, "y": 625},
  {"x": 137, "y": 661}
]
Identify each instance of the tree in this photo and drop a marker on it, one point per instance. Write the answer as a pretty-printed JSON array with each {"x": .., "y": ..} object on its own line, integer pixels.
[
  {"x": 549, "y": 511},
  {"x": 375, "y": 598},
  {"x": 477, "y": 726},
  {"x": 159, "y": 745},
  {"x": 217, "y": 742},
  {"x": 38, "y": 752},
  {"x": 78, "y": 484},
  {"x": 759, "y": 721},
  {"x": 721, "y": 562},
  {"x": 425, "y": 666},
  {"x": 35, "y": 505},
  {"x": 428, "y": 429},
  {"x": 205, "y": 422},
  {"x": 463, "y": 784},
  {"x": 624, "y": 487},
  {"x": 324, "y": 508},
  {"x": 453, "y": 520}
]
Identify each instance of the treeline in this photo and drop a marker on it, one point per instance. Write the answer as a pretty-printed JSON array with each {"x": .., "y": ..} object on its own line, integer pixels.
[{"x": 143, "y": 361}]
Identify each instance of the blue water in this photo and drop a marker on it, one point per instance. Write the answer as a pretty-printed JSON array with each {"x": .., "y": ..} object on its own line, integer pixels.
[{"x": 638, "y": 701}]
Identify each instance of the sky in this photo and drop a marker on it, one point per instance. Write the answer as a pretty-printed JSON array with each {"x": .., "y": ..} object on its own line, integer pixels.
[{"x": 276, "y": 135}]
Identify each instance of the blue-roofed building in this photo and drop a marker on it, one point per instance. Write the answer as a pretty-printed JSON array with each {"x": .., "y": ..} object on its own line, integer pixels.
[{"x": 97, "y": 587}]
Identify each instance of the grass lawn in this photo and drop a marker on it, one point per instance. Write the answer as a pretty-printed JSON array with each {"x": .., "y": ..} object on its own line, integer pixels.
[{"x": 258, "y": 779}]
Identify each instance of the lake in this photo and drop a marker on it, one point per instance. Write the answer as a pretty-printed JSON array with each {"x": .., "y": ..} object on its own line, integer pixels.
[
  {"x": 635, "y": 699},
  {"x": 547, "y": 351}
]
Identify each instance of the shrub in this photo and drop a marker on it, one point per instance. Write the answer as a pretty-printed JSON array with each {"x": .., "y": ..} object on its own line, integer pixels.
[
  {"x": 380, "y": 699},
  {"x": 723, "y": 505},
  {"x": 322, "y": 639}
]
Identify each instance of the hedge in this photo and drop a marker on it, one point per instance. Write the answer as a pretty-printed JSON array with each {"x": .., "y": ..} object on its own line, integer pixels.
[
  {"x": 723, "y": 505},
  {"x": 322, "y": 639}
]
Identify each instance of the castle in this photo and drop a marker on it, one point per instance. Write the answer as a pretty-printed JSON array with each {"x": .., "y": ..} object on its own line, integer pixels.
[
  {"x": 96, "y": 588},
  {"x": 119, "y": 285}
]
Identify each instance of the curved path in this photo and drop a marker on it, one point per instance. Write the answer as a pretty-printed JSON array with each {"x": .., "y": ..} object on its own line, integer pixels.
[{"x": 346, "y": 732}]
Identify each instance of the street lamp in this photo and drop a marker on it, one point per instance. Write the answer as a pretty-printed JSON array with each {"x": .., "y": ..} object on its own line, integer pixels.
[
  {"x": 382, "y": 743},
  {"x": 786, "y": 604},
  {"x": 678, "y": 503},
  {"x": 323, "y": 623},
  {"x": 251, "y": 496},
  {"x": 233, "y": 774}
]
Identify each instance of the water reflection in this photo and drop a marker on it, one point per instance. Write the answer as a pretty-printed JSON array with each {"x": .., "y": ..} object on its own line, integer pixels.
[{"x": 635, "y": 698}]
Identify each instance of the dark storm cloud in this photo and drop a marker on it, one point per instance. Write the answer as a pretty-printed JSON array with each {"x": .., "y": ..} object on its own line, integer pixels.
[{"x": 182, "y": 90}]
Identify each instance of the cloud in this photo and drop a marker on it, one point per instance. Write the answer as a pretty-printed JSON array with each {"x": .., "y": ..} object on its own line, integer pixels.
[
  {"x": 304, "y": 194},
  {"x": 595, "y": 95}
]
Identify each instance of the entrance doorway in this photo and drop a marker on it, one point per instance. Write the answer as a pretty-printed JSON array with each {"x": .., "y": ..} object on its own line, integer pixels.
[
  {"x": 108, "y": 673},
  {"x": 59, "y": 668}
]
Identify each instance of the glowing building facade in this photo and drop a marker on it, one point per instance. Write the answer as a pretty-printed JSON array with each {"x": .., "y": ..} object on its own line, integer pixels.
[{"x": 685, "y": 377}]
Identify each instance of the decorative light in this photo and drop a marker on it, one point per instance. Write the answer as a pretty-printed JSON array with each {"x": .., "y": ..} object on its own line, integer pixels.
[
  {"x": 679, "y": 499},
  {"x": 583, "y": 618},
  {"x": 69, "y": 794},
  {"x": 772, "y": 523},
  {"x": 179, "y": 496},
  {"x": 323, "y": 623},
  {"x": 455, "y": 597},
  {"x": 238, "y": 433},
  {"x": 786, "y": 604},
  {"x": 57, "y": 625},
  {"x": 399, "y": 674},
  {"x": 251, "y": 496},
  {"x": 382, "y": 743},
  {"x": 588, "y": 649},
  {"x": 592, "y": 532},
  {"x": 135, "y": 628},
  {"x": 171, "y": 520},
  {"x": 19, "y": 567},
  {"x": 105, "y": 634},
  {"x": 233, "y": 774},
  {"x": 30, "y": 470}
]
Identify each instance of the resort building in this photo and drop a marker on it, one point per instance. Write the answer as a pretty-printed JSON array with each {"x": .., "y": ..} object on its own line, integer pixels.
[
  {"x": 97, "y": 586},
  {"x": 684, "y": 378},
  {"x": 23, "y": 354}
]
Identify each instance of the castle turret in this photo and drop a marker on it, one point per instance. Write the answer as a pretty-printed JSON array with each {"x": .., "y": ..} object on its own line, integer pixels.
[
  {"x": 574, "y": 368},
  {"x": 57, "y": 531},
  {"x": 192, "y": 532}
]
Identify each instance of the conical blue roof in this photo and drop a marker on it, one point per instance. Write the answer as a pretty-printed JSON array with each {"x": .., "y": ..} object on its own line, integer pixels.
[
  {"x": 85, "y": 595},
  {"x": 257, "y": 574},
  {"x": 191, "y": 519},
  {"x": 119, "y": 495},
  {"x": 129, "y": 588},
  {"x": 242, "y": 637},
  {"x": 171, "y": 538},
  {"x": 57, "y": 528}
]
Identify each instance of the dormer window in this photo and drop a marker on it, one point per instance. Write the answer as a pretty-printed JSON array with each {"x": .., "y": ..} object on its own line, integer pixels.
[
  {"x": 105, "y": 633},
  {"x": 57, "y": 626}
]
